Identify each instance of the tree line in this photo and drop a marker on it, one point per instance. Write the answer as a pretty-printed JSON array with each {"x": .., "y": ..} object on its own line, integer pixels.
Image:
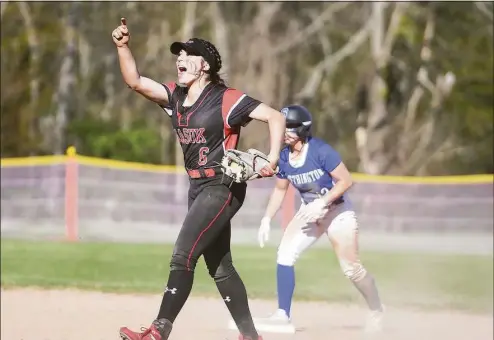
[{"x": 397, "y": 88}]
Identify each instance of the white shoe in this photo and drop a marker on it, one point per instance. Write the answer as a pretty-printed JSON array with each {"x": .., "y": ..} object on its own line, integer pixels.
[
  {"x": 278, "y": 322},
  {"x": 374, "y": 322}
]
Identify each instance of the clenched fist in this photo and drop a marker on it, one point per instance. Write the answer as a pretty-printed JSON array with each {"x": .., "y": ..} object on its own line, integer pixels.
[{"x": 121, "y": 34}]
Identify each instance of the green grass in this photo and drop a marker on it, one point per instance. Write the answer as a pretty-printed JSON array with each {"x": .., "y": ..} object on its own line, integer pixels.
[{"x": 419, "y": 280}]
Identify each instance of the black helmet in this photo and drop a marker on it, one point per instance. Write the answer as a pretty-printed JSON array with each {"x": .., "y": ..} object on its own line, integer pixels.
[{"x": 298, "y": 120}]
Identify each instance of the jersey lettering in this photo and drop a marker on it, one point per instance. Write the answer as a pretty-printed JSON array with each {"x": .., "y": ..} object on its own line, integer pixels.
[
  {"x": 306, "y": 177},
  {"x": 191, "y": 136},
  {"x": 311, "y": 177},
  {"x": 203, "y": 156},
  {"x": 211, "y": 125}
]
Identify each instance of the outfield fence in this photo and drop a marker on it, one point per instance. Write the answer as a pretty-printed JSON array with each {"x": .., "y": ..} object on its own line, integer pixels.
[{"x": 78, "y": 197}]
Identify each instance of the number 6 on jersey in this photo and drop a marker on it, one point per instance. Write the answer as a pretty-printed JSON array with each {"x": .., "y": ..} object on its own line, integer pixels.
[{"x": 203, "y": 156}]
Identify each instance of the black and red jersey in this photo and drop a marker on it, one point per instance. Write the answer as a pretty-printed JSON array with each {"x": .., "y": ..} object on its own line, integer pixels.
[{"x": 211, "y": 125}]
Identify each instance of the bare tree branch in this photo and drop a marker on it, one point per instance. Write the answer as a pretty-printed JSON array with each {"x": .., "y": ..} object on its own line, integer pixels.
[
  {"x": 109, "y": 81},
  {"x": 391, "y": 33},
  {"x": 377, "y": 19},
  {"x": 189, "y": 20},
  {"x": 428, "y": 134},
  {"x": 441, "y": 150},
  {"x": 382, "y": 43},
  {"x": 483, "y": 7},
  {"x": 375, "y": 122},
  {"x": 440, "y": 90},
  {"x": 220, "y": 35},
  {"x": 332, "y": 60},
  {"x": 316, "y": 25},
  {"x": 422, "y": 76},
  {"x": 420, "y": 149},
  {"x": 266, "y": 11}
]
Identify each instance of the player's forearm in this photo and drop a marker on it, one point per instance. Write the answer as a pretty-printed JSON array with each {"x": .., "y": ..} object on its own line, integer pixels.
[
  {"x": 276, "y": 123},
  {"x": 275, "y": 201},
  {"x": 128, "y": 67},
  {"x": 337, "y": 191}
]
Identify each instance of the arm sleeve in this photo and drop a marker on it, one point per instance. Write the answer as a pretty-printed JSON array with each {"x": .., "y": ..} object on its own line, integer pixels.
[
  {"x": 236, "y": 108},
  {"x": 170, "y": 88},
  {"x": 329, "y": 158},
  {"x": 281, "y": 169},
  {"x": 281, "y": 174}
]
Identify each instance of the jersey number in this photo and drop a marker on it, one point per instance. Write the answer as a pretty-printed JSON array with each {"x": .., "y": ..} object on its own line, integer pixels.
[
  {"x": 324, "y": 191},
  {"x": 203, "y": 156}
]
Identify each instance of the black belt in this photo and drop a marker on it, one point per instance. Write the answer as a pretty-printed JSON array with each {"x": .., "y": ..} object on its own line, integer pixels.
[{"x": 204, "y": 172}]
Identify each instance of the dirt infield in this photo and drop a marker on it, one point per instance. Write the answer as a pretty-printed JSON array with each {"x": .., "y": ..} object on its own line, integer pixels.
[{"x": 77, "y": 315}]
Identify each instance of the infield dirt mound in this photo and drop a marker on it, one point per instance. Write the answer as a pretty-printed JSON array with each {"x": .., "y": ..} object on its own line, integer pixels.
[{"x": 30, "y": 314}]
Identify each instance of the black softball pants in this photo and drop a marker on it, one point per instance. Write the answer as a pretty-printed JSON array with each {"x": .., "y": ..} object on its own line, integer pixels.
[{"x": 207, "y": 231}]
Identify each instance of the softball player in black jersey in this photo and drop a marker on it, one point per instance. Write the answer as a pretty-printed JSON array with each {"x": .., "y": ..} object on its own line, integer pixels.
[{"x": 207, "y": 117}]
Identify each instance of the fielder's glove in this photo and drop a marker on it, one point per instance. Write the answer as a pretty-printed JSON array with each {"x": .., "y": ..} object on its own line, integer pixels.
[{"x": 244, "y": 166}]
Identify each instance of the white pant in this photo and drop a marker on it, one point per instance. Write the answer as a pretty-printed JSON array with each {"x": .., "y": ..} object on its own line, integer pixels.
[{"x": 340, "y": 225}]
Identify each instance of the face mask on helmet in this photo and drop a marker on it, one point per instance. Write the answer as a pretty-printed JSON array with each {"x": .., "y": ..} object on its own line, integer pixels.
[{"x": 302, "y": 131}]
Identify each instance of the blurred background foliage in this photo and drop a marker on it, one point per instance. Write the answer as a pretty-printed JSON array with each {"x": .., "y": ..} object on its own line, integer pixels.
[{"x": 397, "y": 88}]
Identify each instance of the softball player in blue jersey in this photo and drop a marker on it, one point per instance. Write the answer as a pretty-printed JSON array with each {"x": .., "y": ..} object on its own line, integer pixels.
[{"x": 315, "y": 169}]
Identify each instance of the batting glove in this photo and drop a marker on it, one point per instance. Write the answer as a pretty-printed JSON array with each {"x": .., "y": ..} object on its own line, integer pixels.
[
  {"x": 263, "y": 233},
  {"x": 313, "y": 211}
]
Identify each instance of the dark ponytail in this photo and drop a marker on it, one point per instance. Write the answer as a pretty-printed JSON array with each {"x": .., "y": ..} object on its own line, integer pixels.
[{"x": 215, "y": 78}]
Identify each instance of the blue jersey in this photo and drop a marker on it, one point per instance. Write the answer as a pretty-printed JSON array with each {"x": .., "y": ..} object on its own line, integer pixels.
[{"x": 310, "y": 174}]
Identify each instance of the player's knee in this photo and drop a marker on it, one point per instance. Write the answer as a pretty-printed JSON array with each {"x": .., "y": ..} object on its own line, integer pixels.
[
  {"x": 287, "y": 257},
  {"x": 182, "y": 261},
  {"x": 355, "y": 272},
  {"x": 222, "y": 271}
]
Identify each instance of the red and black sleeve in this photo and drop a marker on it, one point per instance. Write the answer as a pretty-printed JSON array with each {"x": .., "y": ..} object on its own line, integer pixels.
[
  {"x": 236, "y": 107},
  {"x": 170, "y": 89}
]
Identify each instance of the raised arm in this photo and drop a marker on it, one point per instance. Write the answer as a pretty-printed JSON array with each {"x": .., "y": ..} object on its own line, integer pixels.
[{"x": 147, "y": 87}]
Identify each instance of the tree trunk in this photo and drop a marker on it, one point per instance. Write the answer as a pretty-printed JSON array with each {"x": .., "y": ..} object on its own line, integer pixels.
[
  {"x": 3, "y": 7},
  {"x": 65, "y": 96},
  {"x": 34, "y": 74},
  {"x": 374, "y": 121},
  {"x": 109, "y": 81}
]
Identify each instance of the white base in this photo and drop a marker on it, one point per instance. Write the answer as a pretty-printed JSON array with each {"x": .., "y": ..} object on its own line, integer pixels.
[{"x": 278, "y": 329}]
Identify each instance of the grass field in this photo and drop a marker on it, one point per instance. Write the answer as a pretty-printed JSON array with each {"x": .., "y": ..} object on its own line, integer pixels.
[{"x": 419, "y": 280}]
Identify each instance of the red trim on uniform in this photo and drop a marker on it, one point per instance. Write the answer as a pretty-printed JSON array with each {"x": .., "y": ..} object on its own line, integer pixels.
[
  {"x": 206, "y": 229},
  {"x": 194, "y": 173},
  {"x": 171, "y": 86},
  {"x": 230, "y": 97},
  {"x": 179, "y": 115},
  {"x": 209, "y": 172},
  {"x": 231, "y": 141}
]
